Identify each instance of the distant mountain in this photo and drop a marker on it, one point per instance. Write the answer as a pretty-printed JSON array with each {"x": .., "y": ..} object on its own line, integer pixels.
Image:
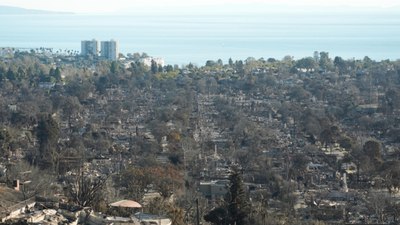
[{"x": 10, "y": 10}]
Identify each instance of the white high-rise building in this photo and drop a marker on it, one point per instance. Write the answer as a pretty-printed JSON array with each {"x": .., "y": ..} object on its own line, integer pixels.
[
  {"x": 109, "y": 50},
  {"x": 90, "y": 47}
]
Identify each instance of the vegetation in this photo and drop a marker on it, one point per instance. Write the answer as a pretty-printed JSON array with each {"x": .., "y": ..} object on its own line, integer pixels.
[
  {"x": 236, "y": 207},
  {"x": 288, "y": 124}
]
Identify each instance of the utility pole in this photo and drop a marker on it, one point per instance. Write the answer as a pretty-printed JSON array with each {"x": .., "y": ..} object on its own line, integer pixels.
[{"x": 197, "y": 212}]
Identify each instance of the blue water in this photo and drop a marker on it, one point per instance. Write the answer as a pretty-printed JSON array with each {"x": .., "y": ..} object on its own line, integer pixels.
[{"x": 182, "y": 39}]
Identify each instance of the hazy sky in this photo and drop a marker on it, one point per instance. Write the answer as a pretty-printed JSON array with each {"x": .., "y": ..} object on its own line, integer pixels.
[{"x": 109, "y": 6}]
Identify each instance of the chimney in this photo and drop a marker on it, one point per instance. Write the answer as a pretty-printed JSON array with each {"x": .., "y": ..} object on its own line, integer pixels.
[{"x": 16, "y": 185}]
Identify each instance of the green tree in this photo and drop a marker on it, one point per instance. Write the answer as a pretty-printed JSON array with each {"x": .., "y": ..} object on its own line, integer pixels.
[
  {"x": 306, "y": 63},
  {"x": 237, "y": 199},
  {"x": 154, "y": 67},
  {"x": 239, "y": 66},
  {"x": 5, "y": 140},
  {"x": 169, "y": 68},
  {"x": 3, "y": 71},
  {"x": 367, "y": 158},
  {"x": 114, "y": 67},
  {"x": 217, "y": 216},
  {"x": 373, "y": 150},
  {"x": 10, "y": 74},
  {"x": 21, "y": 73},
  {"x": 325, "y": 63},
  {"x": 230, "y": 62},
  {"x": 367, "y": 62},
  {"x": 48, "y": 134},
  {"x": 327, "y": 137},
  {"x": 340, "y": 64},
  {"x": 211, "y": 63},
  {"x": 57, "y": 74},
  {"x": 236, "y": 208},
  {"x": 299, "y": 165}
]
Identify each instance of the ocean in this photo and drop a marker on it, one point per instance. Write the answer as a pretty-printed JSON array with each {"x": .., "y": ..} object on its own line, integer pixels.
[{"x": 182, "y": 39}]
